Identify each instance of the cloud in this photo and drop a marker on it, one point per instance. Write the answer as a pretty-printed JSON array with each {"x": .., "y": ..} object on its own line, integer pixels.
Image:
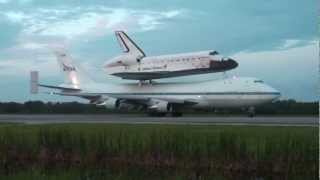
[
  {"x": 44, "y": 28},
  {"x": 293, "y": 43},
  {"x": 22, "y": 67},
  {"x": 15, "y": 1},
  {"x": 292, "y": 70},
  {"x": 172, "y": 14},
  {"x": 16, "y": 17},
  {"x": 87, "y": 22},
  {"x": 19, "y": 60},
  {"x": 4, "y": 1}
]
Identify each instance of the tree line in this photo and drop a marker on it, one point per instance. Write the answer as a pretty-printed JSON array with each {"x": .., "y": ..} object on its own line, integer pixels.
[{"x": 289, "y": 107}]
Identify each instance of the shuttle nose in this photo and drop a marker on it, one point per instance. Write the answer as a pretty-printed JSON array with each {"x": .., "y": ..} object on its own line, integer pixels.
[
  {"x": 223, "y": 65},
  {"x": 231, "y": 63}
]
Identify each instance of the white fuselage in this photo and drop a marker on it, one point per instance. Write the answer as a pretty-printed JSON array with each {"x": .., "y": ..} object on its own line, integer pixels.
[
  {"x": 232, "y": 92},
  {"x": 156, "y": 67}
]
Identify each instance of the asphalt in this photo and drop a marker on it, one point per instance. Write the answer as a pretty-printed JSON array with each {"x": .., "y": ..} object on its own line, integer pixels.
[{"x": 140, "y": 119}]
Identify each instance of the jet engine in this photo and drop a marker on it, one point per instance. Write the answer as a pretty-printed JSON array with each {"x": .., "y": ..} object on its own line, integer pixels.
[
  {"x": 109, "y": 103},
  {"x": 159, "y": 106},
  {"x": 126, "y": 106},
  {"x": 112, "y": 103}
]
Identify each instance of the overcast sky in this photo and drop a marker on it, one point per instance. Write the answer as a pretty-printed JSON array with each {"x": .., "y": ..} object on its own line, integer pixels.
[{"x": 274, "y": 40}]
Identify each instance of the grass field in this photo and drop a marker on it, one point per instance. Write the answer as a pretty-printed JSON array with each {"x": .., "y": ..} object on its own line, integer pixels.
[{"x": 120, "y": 151}]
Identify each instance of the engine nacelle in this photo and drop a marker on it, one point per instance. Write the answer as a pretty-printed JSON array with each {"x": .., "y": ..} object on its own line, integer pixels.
[
  {"x": 109, "y": 103},
  {"x": 126, "y": 106},
  {"x": 112, "y": 103},
  {"x": 159, "y": 106}
]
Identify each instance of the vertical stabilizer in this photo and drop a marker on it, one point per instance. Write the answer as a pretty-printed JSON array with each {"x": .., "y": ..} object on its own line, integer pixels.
[
  {"x": 34, "y": 80},
  {"x": 128, "y": 46},
  {"x": 74, "y": 74}
]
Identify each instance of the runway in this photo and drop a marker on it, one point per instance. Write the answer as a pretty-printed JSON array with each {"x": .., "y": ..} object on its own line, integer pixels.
[{"x": 140, "y": 119}]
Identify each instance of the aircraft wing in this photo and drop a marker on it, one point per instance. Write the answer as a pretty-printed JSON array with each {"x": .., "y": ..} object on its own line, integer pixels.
[
  {"x": 77, "y": 91},
  {"x": 136, "y": 99},
  {"x": 178, "y": 101}
]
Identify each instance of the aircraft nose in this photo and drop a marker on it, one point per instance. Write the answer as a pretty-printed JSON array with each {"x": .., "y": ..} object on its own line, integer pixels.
[
  {"x": 278, "y": 95},
  {"x": 275, "y": 93}
]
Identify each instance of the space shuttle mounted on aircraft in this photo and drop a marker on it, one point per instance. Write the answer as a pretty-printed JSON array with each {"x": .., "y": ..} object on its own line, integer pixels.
[
  {"x": 135, "y": 65},
  {"x": 158, "y": 98}
]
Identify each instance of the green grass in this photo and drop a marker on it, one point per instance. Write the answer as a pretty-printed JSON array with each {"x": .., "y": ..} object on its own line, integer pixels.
[{"x": 176, "y": 149}]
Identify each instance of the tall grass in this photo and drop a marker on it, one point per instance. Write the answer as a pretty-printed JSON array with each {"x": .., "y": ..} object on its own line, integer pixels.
[{"x": 160, "y": 148}]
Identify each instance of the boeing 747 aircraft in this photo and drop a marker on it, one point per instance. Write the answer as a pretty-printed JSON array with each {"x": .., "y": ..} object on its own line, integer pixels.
[
  {"x": 159, "y": 98},
  {"x": 135, "y": 65}
]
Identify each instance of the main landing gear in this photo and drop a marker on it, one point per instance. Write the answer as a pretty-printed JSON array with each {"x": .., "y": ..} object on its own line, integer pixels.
[
  {"x": 175, "y": 111},
  {"x": 163, "y": 114},
  {"x": 176, "y": 114},
  {"x": 251, "y": 112},
  {"x": 142, "y": 82},
  {"x": 157, "y": 114}
]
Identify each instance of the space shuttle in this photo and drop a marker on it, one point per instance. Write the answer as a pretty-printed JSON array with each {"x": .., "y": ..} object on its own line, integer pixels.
[{"x": 133, "y": 64}]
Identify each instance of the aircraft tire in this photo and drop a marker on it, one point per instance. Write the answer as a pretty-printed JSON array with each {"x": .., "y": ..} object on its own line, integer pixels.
[
  {"x": 176, "y": 114},
  {"x": 156, "y": 114},
  {"x": 251, "y": 112}
]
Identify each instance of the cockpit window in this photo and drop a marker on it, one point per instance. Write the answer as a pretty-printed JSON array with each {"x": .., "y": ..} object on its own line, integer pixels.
[
  {"x": 213, "y": 53},
  {"x": 258, "y": 81}
]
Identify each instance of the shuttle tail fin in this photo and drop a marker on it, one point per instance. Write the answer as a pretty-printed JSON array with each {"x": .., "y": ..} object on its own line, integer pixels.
[
  {"x": 75, "y": 76},
  {"x": 128, "y": 45}
]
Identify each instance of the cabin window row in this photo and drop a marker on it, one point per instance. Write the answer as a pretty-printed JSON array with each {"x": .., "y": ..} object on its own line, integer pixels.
[{"x": 185, "y": 59}]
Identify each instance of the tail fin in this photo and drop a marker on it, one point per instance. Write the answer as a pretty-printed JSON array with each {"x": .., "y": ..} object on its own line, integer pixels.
[
  {"x": 74, "y": 74},
  {"x": 127, "y": 45},
  {"x": 34, "y": 82}
]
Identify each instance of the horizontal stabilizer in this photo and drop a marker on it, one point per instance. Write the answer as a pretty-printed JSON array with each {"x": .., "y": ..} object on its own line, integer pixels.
[{"x": 59, "y": 87}]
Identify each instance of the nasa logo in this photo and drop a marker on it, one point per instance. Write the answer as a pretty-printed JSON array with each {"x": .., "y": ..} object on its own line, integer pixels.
[{"x": 68, "y": 68}]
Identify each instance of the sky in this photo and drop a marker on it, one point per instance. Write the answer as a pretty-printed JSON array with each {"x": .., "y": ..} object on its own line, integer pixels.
[{"x": 273, "y": 40}]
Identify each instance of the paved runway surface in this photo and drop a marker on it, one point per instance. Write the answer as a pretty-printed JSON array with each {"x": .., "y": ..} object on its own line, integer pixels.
[{"x": 139, "y": 119}]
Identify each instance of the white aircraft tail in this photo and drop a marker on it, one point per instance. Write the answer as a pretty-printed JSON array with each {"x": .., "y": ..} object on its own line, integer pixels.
[
  {"x": 34, "y": 82},
  {"x": 74, "y": 74},
  {"x": 128, "y": 46}
]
